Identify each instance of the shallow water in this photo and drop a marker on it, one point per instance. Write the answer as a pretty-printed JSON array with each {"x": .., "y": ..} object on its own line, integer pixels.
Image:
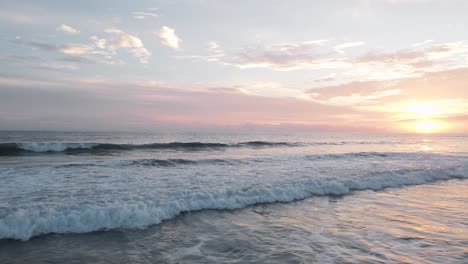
[
  {"x": 75, "y": 182},
  {"x": 417, "y": 224}
]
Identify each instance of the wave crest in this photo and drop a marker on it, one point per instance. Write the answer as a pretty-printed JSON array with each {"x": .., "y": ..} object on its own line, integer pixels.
[
  {"x": 139, "y": 213},
  {"x": 11, "y": 149}
]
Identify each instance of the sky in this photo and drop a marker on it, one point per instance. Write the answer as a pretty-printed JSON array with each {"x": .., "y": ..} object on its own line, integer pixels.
[{"x": 354, "y": 66}]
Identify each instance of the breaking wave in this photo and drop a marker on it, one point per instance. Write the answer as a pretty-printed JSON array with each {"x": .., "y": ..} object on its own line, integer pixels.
[
  {"x": 24, "y": 223},
  {"x": 11, "y": 149}
]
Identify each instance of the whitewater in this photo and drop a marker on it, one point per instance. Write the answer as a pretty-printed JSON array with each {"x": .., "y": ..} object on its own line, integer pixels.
[{"x": 68, "y": 183}]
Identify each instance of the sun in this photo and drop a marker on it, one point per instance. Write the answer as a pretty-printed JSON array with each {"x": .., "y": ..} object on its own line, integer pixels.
[
  {"x": 426, "y": 126},
  {"x": 424, "y": 116}
]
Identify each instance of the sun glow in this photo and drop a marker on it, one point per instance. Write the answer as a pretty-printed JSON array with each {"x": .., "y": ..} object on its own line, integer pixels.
[
  {"x": 422, "y": 109},
  {"x": 424, "y": 116},
  {"x": 426, "y": 126}
]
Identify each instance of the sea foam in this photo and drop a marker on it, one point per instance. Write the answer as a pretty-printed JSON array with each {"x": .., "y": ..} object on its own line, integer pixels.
[{"x": 141, "y": 211}]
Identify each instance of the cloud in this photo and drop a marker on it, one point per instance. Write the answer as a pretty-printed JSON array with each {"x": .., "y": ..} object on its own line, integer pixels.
[
  {"x": 148, "y": 13},
  {"x": 287, "y": 57},
  {"x": 129, "y": 42},
  {"x": 99, "y": 51},
  {"x": 268, "y": 89},
  {"x": 38, "y": 45},
  {"x": 153, "y": 104},
  {"x": 143, "y": 15},
  {"x": 100, "y": 43},
  {"x": 168, "y": 37},
  {"x": 401, "y": 56},
  {"x": 55, "y": 66},
  {"x": 357, "y": 99},
  {"x": 410, "y": 62},
  {"x": 376, "y": 105},
  {"x": 216, "y": 53},
  {"x": 414, "y": 61},
  {"x": 422, "y": 43},
  {"x": 76, "y": 49},
  {"x": 67, "y": 29},
  {"x": 88, "y": 54},
  {"x": 36, "y": 62},
  {"x": 76, "y": 53},
  {"x": 436, "y": 91},
  {"x": 444, "y": 50},
  {"x": 213, "y": 46},
  {"x": 339, "y": 48}
]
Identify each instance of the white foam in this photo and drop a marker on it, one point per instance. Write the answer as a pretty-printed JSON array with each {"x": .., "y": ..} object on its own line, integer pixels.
[
  {"x": 141, "y": 211},
  {"x": 54, "y": 147}
]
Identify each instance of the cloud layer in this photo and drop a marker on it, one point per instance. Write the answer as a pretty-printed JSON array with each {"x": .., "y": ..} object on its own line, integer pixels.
[{"x": 355, "y": 64}]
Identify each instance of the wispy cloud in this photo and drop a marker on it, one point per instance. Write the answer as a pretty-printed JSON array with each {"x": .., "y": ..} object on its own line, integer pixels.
[
  {"x": 143, "y": 15},
  {"x": 433, "y": 92},
  {"x": 417, "y": 60},
  {"x": 269, "y": 89},
  {"x": 67, "y": 29},
  {"x": 76, "y": 49},
  {"x": 36, "y": 62},
  {"x": 357, "y": 99},
  {"x": 422, "y": 43},
  {"x": 55, "y": 66},
  {"x": 147, "y": 13},
  {"x": 215, "y": 53},
  {"x": 74, "y": 53},
  {"x": 286, "y": 56},
  {"x": 129, "y": 42},
  {"x": 339, "y": 48},
  {"x": 168, "y": 37},
  {"x": 376, "y": 65}
]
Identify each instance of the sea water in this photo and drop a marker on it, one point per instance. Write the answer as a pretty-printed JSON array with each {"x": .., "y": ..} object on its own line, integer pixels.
[{"x": 232, "y": 197}]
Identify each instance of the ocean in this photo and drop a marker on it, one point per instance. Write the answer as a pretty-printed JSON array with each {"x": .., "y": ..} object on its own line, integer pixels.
[{"x": 186, "y": 197}]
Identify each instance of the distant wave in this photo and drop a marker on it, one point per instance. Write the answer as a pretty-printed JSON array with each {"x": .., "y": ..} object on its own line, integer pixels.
[
  {"x": 360, "y": 155},
  {"x": 139, "y": 213},
  {"x": 152, "y": 163},
  {"x": 7, "y": 149},
  {"x": 175, "y": 162},
  {"x": 11, "y": 149},
  {"x": 193, "y": 162}
]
